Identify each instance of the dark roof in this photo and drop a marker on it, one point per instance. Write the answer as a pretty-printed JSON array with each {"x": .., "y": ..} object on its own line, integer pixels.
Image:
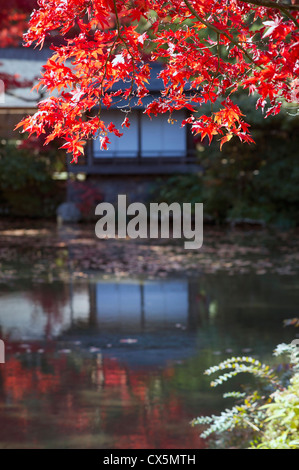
[
  {"x": 27, "y": 62},
  {"x": 155, "y": 84},
  {"x": 25, "y": 53}
]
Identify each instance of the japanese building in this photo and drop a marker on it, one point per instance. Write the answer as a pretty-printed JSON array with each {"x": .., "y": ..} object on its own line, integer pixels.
[{"x": 149, "y": 148}]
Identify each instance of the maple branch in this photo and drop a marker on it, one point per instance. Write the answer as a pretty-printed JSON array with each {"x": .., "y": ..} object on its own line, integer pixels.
[
  {"x": 118, "y": 36},
  {"x": 219, "y": 31},
  {"x": 270, "y": 4},
  {"x": 126, "y": 46},
  {"x": 283, "y": 7},
  {"x": 218, "y": 65},
  {"x": 105, "y": 73},
  {"x": 288, "y": 14}
]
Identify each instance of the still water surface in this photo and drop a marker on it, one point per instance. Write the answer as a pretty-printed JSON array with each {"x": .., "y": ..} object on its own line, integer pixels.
[{"x": 104, "y": 363}]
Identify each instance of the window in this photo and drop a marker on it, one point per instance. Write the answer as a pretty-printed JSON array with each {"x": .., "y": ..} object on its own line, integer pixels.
[
  {"x": 159, "y": 138},
  {"x": 120, "y": 147},
  {"x": 145, "y": 137}
]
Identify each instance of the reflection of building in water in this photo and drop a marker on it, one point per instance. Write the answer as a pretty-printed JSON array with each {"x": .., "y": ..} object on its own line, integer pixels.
[
  {"x": 141, "y": 305},
  {"x": 44, "y": 310},
  {"x": 49, "y": 310}
]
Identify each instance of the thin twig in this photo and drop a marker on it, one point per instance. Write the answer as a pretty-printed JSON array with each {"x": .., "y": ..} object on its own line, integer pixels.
[{"x": 270, "y": 4}]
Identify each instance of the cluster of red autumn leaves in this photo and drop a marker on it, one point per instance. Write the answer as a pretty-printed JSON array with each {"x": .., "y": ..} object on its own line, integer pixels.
[{"x": 210, "y": 50}]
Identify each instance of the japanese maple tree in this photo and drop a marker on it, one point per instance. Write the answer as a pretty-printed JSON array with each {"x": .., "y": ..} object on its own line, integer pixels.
[{"x": 210, "y": 49}]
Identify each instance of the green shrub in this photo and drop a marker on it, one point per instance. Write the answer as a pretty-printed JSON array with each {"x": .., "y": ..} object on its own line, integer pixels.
[
  {"x": 26, "y": 184},
  {"x": 264, "y": 418},
  {"x": 281, "y": 425}
]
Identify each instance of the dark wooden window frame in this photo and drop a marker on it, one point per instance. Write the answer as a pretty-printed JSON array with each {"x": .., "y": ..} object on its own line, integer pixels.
[{"x": 138, "y": 165}]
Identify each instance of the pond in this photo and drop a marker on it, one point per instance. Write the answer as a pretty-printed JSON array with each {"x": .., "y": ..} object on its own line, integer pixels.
[{"x": 104, "y": 362}]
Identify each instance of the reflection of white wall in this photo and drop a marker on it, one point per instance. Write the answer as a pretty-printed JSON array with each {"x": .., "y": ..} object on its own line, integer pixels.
[
  {"x": 120, "y": 304},
  {"x": 19, "y": 318},
  {"x": 24, "y": 319}
]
